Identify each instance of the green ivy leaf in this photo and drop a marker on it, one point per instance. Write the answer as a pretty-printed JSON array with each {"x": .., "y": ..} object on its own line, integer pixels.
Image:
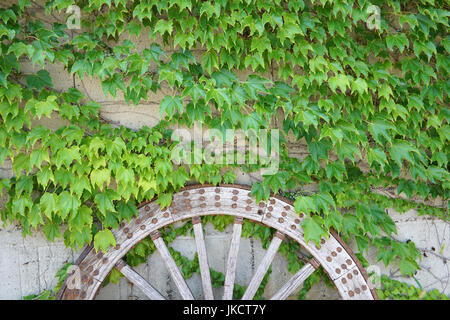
[{"x": 314, "y": 230}]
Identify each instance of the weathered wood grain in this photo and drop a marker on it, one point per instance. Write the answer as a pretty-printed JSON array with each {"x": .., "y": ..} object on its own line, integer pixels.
[
  {"x": 292, "y": 284},
  {"x": 202, "y": 259},
  {"x": 138, "y": 281},
  {"x": 175, "y": 273},
  {"x": 230, "y": 271},
  {"x": 263, "y": 267}
]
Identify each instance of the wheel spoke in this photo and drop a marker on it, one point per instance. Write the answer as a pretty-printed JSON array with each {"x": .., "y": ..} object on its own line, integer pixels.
[
  {"x": 232, "y": 259},
  {"x": 138, "y": 281},
  {"x": 175, "y": 273},
  {"x": 263, "y": 266},
  {"x": 202, "y": 258},
  {"x": 295, "y": 281}
]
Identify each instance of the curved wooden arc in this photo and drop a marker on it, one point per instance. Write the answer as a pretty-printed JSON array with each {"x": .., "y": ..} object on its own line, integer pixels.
[{"x": 336, "y": 258}]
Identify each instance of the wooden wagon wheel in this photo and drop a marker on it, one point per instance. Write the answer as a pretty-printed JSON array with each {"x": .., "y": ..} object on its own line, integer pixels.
[{"x": 192, "y": 202}]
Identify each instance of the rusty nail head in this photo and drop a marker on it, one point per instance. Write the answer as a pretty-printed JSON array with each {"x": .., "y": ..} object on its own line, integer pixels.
[
  {"x": 235, "y": 191},
  {"x": 202, "y": 198},
  {"x": 268, "y": 215},
  {"x": 234, "y": 198},
  {"x": 261, "y": 204},
  {"x": 234, "y": 205},
  {"x": 203, "y": 205},
  {"x": 96, "y": 272},
  {"x": 248, "y": 208},
  {"x": 339, "y": 249},
  {"x": 143, "y": 227},
  {"x": 201, "y": 191},
  {"x": 280, "y": 220},
  {"x": 217, "y": 204},
  {"x": 334, "y": 254},
  {"x": 154, "y": 220},
  {"x": 147, "y": 208},
  {"x": 185, "y": 193},
  {"x": 284, "y": 214},
  {"x": 126, "y": 230},
  {"x": 293, "y": 227},
  {"x": 166, "y": 215},
  {"x": 217, "y": 190},
  {"x": 351, "y": 293},
  {"x": 130, "y": 235}
]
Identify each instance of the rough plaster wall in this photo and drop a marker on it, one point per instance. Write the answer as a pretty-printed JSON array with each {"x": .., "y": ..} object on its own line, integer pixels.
[{"x": 28, "y": 265}]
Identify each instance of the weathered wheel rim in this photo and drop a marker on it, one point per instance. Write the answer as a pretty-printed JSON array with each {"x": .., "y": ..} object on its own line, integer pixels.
[{"x": 337, "y": 259}]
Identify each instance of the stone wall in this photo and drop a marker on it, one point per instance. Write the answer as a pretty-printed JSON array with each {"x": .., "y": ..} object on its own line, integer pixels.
[{"x": 28, "y": 265}]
